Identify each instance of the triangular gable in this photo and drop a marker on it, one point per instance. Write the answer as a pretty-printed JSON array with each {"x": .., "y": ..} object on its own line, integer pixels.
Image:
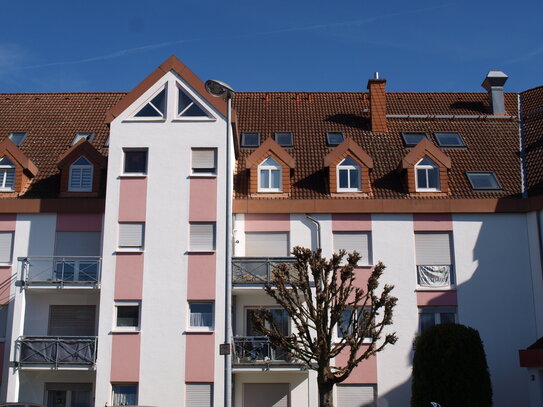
[
  {"x": 269, "y": 146},
  {"x": 81, "y": 148},
  {"x": 8, "y": 146},
  {"x": 425, "y": 147},
  {"x": 171, "y": 64},
  {"x": 353, "y": 149}
]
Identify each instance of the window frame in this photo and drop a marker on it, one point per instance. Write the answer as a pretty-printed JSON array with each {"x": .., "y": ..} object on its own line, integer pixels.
[
  {"x": 130, "y": 248},
  {"x": 82, "y": 167},
  {"x": 179, "y": 115},
  {"x": 349, "y": 168},
  {"x": 436, "y": 311},
  {"x": 459, "y": 137},
  {"x": 118, "y": 328},
  {"x": 283, "y": 133},
  {"x": 163, "y": 115},
  {"x": 250, "y": 308},
  {"x": 426, "y": 168},
  {"x": 358, "y": 310},
  {"x": 87, "y": 135},
  {"x": 408, "y": 144},
  {"x": 491, "y": 173},
  {"x": 114, "y": 384},
  {"x": 364, "y": 262},
  {"x": 214, "y": 238},
  {"x": 451, "y": 265},
  {"x": 4, "y": 169},
  {"x": 12, "y": 134},
  {"x": 204, "y": 173},
  {"x": 205, "y": 328},
  {"x": 129, "y": 150},
  {"x": 244, "y": 143},
  {"x": 269, "y": 169},
  {"x": 330, "y": 134}
]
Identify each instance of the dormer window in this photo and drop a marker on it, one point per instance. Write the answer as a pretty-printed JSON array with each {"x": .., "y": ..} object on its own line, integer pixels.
[
  {"x": 156, "y": 108},
  {"x": 427, "y": 175},
  {"x": 7, "y": 175},
  {"x": 348, "y": 176},
  {"x": 269, "y": 176},
  {"x": 81, "y": 176}
]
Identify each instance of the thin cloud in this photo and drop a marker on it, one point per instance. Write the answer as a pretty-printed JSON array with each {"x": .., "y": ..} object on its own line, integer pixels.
[{"x": 523, "y": 58}]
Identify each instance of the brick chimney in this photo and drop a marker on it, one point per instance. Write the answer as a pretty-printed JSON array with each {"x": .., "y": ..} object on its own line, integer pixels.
[{"x": 378, "y": 104}]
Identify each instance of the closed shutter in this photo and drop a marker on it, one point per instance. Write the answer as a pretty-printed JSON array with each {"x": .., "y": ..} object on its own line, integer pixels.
[
  {"x": 69, "y": 244},
  {"x": 203, "y": 159},
  {"x": 202, "y": 236},
  {"x": 266, "y": 244},
  {"x": 81, "y": 179},
  {"x": 6, "y": 239},
  {"x": 72, "y": 320},
  {"x": 433, "y": 249},
  {"x": 356, "y": 396},
  {"x": 266, "y": 395},
  {"x": 3, "y": 320},
  {"x": 131, "y": 234},
  {"x": 199, "y": 395},
  {"x": 351, "y": 241}
]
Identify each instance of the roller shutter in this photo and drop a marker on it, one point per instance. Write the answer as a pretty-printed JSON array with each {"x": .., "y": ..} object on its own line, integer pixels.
[
  {"x": 356, "y": 396},
  {"x": 266, "y": 244},
  {"x": 433, "y": 249}
]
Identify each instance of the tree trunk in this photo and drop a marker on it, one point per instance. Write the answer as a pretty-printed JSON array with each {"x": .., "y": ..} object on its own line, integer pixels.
[{"x": 326, "y": 390}]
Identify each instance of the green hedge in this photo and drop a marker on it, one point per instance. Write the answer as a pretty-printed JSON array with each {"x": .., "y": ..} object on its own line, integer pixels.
[{"x": 450, "y": 367}]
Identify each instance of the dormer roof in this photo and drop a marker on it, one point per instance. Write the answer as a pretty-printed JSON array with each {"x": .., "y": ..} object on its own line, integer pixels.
[
  {"x": 270, "y": 145},
  {"x": 425, "y": 147},
  {"x": 350, "y": 147},
  {"x": 8, "y": 146},
  {"x": 81, "y": 148}
]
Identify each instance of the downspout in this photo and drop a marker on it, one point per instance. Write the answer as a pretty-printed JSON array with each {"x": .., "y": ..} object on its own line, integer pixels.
[
  {"x": 316, "y": 222},
  {"x": 228, "y": 256}
]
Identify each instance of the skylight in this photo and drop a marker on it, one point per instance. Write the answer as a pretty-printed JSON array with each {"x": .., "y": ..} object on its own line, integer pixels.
[
  {"x": 284, "y": 139},
  {"x": 483, "y": 180},
  {"x": 334, "y": 138},
  {"x": 412, "y": 138},
  {"x": 250, "y": 139},
  {"x": 80, "y": 136},
  {"x": 17, "y": 137},
  {"x": 449, "y": 139},
  {"x": 155, "y": 108}
]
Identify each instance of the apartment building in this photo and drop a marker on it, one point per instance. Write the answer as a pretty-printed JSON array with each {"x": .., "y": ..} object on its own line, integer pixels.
[{"x": 113, "y": 235}]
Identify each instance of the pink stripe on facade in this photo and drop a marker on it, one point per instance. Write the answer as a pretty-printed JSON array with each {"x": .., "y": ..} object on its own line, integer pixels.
[
  {"x": 256, "y": 222},
  {"x": 364, "y": 373},
  {"x": 200, "y": 357},
  {"x": 125, "y": 357},
  {"x": 432, "y": 222},
  {"x": 351, "y": 222},
  {"x": 203, "y": 200},
  {"x": 436, "y": 298},
  {"x": 7, "y": 277},
  {"x": 88, "y": 222},
  {"x": 201, "y": 276},
  {"x": 7, "y": 222},
  {"x": 129, "y": 276},
  {"x": 133, "y": 200},
  {"x": 362, "y": 274}
]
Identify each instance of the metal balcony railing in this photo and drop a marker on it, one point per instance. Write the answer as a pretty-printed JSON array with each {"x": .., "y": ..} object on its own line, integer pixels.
[
  {"x": 256, "y": 270},
  {"x": 61, "y": 270},
  {"x": 57, "y": 351},
  {"x": 433, "y": 276},
  {"x": 254, "y": 350}
]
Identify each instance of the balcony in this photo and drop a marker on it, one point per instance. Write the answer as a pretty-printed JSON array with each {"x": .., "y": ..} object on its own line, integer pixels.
[
  {"x": 435, "y": 276},
  {"x": 255, "y": 270},
  {"x": 66, "y": 352},
  {"x": 61, "y": 271},
  {"x": 258, "y": 350}
]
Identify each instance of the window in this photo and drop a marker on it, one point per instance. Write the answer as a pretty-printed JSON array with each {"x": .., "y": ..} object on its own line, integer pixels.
[
  {"x": 201, "y": 315},
  {"x": 72, "y": 320},
  {"x": 82, "y": 136},
  {"x": 412, "y": 138},
  {"x": 351, "y": 241},
  {"x": 7, "y": 175},
  {"x": 427, "y": 176},
  {"x": 345, "y": 325},
  {"x": 334, "y": 138},
  {"x": 434, "y": 260},
  {"x": 263, "y": 244},
  {"x": 125, "y": 394},
  {"x": 348, "y": 176},
  {"x": 6, "y": 246},
  {"x": 269, "y": 176},
  {"x": 355, "y": 395},
  {"x": 430, "y": 316},
  {"x": 106, "y": 144},
  {"x": 279, "y": 316},
  {"x": 68, "y": 394},
  {"x": 199, "y": 395},
  {"x": 156, "y": 108},
  {"x": 449, "y": 139},
  {"x": 17, "y": 137},
  {"x": 135, "y": 161},
  {"x": 131, "y": 235},
  {"x": 76, "y": 259},
  {"x": 250, "y": 139},
  {"x": 204, "y": 161},
  {"x": 284, "y": 139},
  {"x": 3, "y": 320},
  {"x": 187, "y": 107},
  {"x": 484, "y": 181},
  {"x": 202, "y": 237},
  {"x": 80, "y": 176},
  {"x": 127, "y": 315}
]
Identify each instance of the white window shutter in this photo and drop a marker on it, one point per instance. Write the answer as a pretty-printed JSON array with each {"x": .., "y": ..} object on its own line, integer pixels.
[
  {"x": 356, "y": 396},
  {"x": 433, "y": 249},
  {"x": 202, "y": 236},
  {"x": 6, "y": 239},
  {"x": 266, "y": 244},
  {"x": 131, "y": 234},
  {"x": 199, "y": 395},
  {"x": 351, "y": 241},
  {"x": 203, "y": 159}
]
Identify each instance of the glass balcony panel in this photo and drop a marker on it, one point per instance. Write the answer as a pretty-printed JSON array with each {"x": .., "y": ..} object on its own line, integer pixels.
[
  {"x": 259, "y": 350},
  {"x": 254, "y": 270},
  {"x": 55, "y": 270}
]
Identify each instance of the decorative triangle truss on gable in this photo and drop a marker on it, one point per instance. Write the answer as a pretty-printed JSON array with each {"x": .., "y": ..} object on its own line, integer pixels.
[
  {"x": 188, "y": 107},
  {"x": 156, "y": 108}
]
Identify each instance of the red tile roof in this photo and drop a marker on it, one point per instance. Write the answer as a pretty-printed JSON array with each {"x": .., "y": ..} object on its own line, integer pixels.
[{"x": 532, "y": 108}]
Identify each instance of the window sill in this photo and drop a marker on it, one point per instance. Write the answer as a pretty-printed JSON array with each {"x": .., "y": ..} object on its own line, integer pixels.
[
  {"x": 134, "y": 175},
  {"x": 433, "y": 289},
  {"x": 146, "y": 120},
  {"x": 196, "y": 175},
  {"x": 129, "y": 250},
  {"x": 201, "y": 251},
  {"x": 2, "y": 265},
  {"x": 126, "y": 330},
  {"x": 196, "y": 331},
  {"x": 194, "y": 119}
]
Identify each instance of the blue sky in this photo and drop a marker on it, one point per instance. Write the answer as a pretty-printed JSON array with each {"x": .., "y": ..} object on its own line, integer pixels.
[{"x": 298, "y": 45}]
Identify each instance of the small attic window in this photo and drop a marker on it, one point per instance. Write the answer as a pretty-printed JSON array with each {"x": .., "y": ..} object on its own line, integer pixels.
[
  {"x": 155, "y": 108},
  {"x": 483, "y": 180},
  {"x": 80, "y": 136},
  {"x": 412, "y": 138},
  {"x": 250, "y": 139},
  {"x": 187, "y": 106},
  {"x": 334, "y": 138},
  {"x": 284, "y": 138},
  {"x": 449, "y": 139},
  {"x": 17, "y": 137},
  {"x": 106, "y": 144}
]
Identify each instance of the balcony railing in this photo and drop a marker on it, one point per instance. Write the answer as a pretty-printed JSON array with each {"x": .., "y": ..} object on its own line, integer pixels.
[
  {"x": 254, "y": 350},
  {"x": 256, "y": 270},
  {"x": 61, "y": 270},
  {"x": 63, "y": 351},
  {"x": 435, "y": 276}
]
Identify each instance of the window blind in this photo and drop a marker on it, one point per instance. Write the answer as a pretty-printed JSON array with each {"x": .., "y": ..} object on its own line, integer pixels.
[
  {"x": 131, "y": 234},
  {"x": 199, "y": 395},
  {"x": 356, "y": 396},
  {"x": 276, "y": 394},
  {"x": 69, "y": 244},
  {"x": 266, "y": 244},
  {"x": 81, "y": 178},
  {"x": 433, "y": 249},
  {"x": 6, "y": 239},
  {"x": 72, "y": 320},
  {"x": 202, "y": 236},
  {"x": 203, "y": 159},
  {"x": 351, "y": 241}
]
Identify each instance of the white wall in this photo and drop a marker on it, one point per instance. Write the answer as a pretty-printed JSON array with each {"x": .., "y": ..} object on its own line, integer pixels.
[
  {"x": 32, "y": 388},
  {"x": 298, "y": 382}
]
